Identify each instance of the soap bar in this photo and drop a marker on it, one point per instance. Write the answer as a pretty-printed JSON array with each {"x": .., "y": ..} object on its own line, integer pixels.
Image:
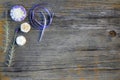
[
  {"x": 21, "y": 40},
  {"x": 25, "y": 27},
  {"x": 18, "y": 13}
]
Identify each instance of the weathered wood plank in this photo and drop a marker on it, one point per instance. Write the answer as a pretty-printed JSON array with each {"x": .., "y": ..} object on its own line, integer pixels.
[{"x": 77, "y": 46}]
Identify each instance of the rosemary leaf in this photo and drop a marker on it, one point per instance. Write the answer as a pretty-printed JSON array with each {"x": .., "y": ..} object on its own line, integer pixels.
[
  {"x": 6, "y": 41},
  {"x": 11, "y": 52}
]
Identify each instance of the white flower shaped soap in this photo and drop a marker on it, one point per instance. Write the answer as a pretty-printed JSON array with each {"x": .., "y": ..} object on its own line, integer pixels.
[
  {"x": 20, "y": 40},
  {"x": 25, "y": 27},
  {"x": 18, "y": 13}
]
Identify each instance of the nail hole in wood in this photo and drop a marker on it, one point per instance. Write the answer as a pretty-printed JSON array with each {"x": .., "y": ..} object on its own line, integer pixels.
[{"x": 112, "y": 33}]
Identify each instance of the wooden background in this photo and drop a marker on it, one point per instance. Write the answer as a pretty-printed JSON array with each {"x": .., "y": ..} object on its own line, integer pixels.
[{"x": 77, "y": 46}]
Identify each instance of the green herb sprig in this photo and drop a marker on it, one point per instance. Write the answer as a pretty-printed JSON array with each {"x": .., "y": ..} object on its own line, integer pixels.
[
  {"x": 9, "y": 45},
  {"x": 10, "y": 56},
  {"x": 11, "y": 52},
  {"x": 6, "y": 40}
]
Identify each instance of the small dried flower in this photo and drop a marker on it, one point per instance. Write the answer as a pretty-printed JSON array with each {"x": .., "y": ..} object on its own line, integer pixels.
[
  {"x": 25, "y": 27},
  {"x": 18, "y": 13},
  {"x": 20, "y": 40}
]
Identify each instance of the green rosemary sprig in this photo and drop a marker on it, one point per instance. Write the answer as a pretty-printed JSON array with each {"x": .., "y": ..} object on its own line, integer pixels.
[
  {"x": 11, "y": 52},
  {"x": 10, "y": 56},
  {"x": 6, "y": 40},
  {"x": 5, "y": 36},
  {"x": 9, "y": 49}
]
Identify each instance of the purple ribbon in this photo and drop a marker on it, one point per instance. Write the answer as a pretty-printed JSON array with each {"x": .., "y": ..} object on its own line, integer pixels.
[{"x": 42, "y": 20}]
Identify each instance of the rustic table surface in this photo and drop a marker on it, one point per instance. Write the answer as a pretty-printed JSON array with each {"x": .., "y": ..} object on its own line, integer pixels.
[{"x": 83, "y": 42}]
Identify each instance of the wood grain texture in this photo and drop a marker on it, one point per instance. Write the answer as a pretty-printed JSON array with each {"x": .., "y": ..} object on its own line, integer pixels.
[{"x": 77, "y": 46}]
